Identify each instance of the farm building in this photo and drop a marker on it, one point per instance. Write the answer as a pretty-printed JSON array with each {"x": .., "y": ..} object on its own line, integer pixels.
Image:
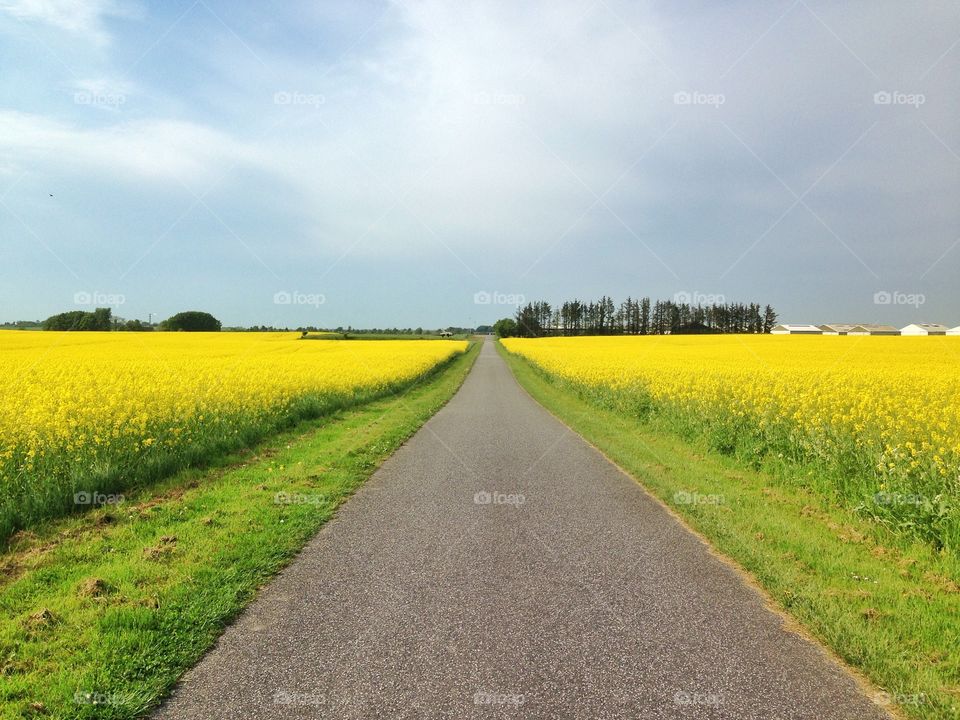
[
  {"x": 924, "y": 329},
  {"x": 836, "y": 329},
  {"x": 788, "y": 329},
  {"x": 873, "y": 329},
  {"x": 954, "y": 331},
  {"x": 859, "y": 329}
]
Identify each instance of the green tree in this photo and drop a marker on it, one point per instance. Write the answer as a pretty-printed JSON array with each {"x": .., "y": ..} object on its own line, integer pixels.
[
  {"x": 80, "y": 320},
  {"x": 102, "y": 319},
  {"x": 507, "y": 327},
  {"x": 192, "y": 321},
  {"x": 769, "y": 319},
  {"x": 135, "y": 326}
]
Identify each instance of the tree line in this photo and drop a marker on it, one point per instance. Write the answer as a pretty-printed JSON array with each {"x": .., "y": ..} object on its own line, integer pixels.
[
  {"x": 102, "y": 320},
  {"x": 636, "y": 317}
]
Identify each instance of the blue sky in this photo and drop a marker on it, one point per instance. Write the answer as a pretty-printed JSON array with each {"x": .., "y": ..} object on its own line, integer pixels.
[{"x": 380, "y": 164}]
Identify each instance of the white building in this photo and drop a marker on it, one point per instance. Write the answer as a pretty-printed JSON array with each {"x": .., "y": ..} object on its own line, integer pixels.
[
  {"x": 788, "y": 329},
  {"x": 873, "y": 329},
  {"x": 925, "y": 329},
  {"x": 954, "y": 331},
  {"x": 836, "y": 329}
]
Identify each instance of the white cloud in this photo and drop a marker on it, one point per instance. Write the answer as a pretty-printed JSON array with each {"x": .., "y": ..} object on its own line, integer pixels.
[
  {"x": 168, "y": 151},
  {"x": 78, "y": 17},
  {"x": 488, "y": 130},
  {"x": 472, "y": 121}
]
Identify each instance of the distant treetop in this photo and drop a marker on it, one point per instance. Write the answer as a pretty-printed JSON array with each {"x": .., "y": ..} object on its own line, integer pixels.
[{"x": 192, "y": 321}]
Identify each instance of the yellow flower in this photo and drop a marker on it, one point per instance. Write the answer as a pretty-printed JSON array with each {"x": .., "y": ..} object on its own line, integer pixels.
[
  {"x": 85, "y": 400},
  {"x": 892, "y": 400}
]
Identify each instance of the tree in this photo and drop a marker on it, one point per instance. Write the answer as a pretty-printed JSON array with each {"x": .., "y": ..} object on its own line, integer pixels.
[
  {"x": 769, "y": 319},
  {"x": 135, "y": 326},
  {"x": 192, "y": 321},
  {"x": 67, "y": 321},
  {"x": 604, "y": 316},
  {"x": 526, "y": 322},
  {"x": 506, "y": 327},
  {"x": 645, "y": 316},
  {"x": 641, "y": 317},
  {"x": 80, "y": 320}
]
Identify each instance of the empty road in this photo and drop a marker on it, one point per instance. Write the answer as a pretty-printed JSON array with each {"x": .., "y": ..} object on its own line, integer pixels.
[{"x": 497, "y": 566}]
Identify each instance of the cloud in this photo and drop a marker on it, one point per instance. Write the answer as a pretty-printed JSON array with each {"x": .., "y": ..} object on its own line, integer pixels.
[
  {"x": 77, "y": 17},
  {"x": 543, "y": 141},
  {"x": 167, "y": 151}
]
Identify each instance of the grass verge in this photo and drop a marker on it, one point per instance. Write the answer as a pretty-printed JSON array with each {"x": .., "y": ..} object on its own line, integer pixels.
[
  {"x": 886, "y": 605},
  {"x": 102, "y": 613},
  {"x": 330, "y": 335}
]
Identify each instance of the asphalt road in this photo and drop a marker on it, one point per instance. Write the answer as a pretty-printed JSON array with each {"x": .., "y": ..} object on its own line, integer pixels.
[{"x": 497, "y": 566}]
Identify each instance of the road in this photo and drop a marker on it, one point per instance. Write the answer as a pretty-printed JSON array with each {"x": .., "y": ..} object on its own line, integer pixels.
[{"x": 497, "y": 566}]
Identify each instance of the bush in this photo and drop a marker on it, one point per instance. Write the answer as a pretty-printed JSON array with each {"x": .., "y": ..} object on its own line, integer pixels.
[
  {"x": 507, "y": 327},
  {"x": 99, "y": 319},
  {"x": 135, "y": 326},
  {"x": 192, "y": 321}
]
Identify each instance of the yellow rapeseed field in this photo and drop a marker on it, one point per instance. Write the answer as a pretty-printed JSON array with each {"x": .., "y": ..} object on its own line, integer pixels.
[
  {"x": 85, "y": 410},
  {"x": 882, "y": 411}
]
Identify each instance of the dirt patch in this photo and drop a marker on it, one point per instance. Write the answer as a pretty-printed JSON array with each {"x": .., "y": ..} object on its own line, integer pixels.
[
  {"x": 164, "y": 548},
  {"x": 93, "y": 588},
  {"x": 943, "y": 584},
  {"x": 41, "y": 619}
]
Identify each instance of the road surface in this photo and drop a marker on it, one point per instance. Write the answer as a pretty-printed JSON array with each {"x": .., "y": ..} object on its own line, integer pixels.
[{"x": 497, "y": 566}]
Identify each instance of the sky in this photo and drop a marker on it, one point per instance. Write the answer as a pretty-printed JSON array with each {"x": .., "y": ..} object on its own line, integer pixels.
[{"x": 403, "y": 163}]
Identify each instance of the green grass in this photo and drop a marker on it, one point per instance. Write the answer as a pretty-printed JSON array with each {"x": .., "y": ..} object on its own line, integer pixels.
[
  {"x": 886, "y": 604},
  {"x": 380, "y": 336},
  {"x": 113, "y": 606}
]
